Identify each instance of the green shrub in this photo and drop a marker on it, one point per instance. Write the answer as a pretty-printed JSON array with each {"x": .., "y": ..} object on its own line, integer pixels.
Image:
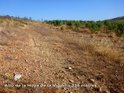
[
  {"x": 94, "y": 26},
  {"x": 120, "y": 29}
]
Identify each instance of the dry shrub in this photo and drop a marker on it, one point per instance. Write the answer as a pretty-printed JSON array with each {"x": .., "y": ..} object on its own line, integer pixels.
[
  {"x": 87, "y": 47},
  {"x": 109, "y": 53},
  {"x": 81, "y": 44},
  {"x": 63, "y": 27}
]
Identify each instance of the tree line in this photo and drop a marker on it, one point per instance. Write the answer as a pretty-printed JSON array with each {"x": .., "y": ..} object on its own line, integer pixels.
[{"x": 93, "y": 26}]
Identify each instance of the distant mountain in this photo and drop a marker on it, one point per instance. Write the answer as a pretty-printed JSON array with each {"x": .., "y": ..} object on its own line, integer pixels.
[{"x": 117, "y": 19}]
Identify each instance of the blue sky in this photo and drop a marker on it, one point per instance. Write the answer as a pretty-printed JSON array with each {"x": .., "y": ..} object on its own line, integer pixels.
[{"x": 63, "y": 9}]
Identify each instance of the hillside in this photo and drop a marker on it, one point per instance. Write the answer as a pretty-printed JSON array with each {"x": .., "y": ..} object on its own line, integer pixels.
[
  {"x": 118, "y": 19},
  {"x": 35, "y": 55}
]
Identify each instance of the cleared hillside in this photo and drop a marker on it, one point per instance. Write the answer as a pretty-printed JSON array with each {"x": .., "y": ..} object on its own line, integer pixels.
[{"x": 43, "y": 55}]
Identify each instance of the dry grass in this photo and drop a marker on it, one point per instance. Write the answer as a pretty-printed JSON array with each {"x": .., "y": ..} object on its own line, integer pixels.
[{"x": 110, "y": 54}]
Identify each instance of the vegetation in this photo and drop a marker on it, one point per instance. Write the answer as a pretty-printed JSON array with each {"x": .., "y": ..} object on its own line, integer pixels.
[
  {"x": 15, "y": 18},
  {"x": 113, "y": 25},
  {"x": 17, "y": 21},
  {"x": 93, "y": 26}
]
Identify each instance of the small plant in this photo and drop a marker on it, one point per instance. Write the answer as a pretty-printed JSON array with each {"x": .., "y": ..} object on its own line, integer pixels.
[{"x": 9, "y": 75}]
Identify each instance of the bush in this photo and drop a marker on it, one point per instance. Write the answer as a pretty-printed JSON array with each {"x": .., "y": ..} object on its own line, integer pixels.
[
  {"x": 120, "y": 29},
  {"x": 93, "y": 26}
]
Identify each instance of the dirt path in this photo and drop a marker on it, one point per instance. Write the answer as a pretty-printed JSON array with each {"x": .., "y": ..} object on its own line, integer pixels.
[{"x": 45, "y": 56}]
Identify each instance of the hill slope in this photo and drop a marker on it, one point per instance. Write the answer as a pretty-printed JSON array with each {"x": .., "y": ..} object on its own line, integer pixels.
[
  {"x": 43, "y": 55},
  {"x": 118, "y": 18}
]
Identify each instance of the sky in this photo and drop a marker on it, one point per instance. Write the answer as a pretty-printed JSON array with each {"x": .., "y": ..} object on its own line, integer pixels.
[{"x": 63, "y": 9}]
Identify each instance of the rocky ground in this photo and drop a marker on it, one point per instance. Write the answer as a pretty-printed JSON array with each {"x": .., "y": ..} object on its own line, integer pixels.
[{"x": 38, "y": 59}]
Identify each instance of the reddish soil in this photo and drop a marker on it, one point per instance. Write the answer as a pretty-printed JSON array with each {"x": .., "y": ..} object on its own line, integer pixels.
[{"x": 47, "y": 56}]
